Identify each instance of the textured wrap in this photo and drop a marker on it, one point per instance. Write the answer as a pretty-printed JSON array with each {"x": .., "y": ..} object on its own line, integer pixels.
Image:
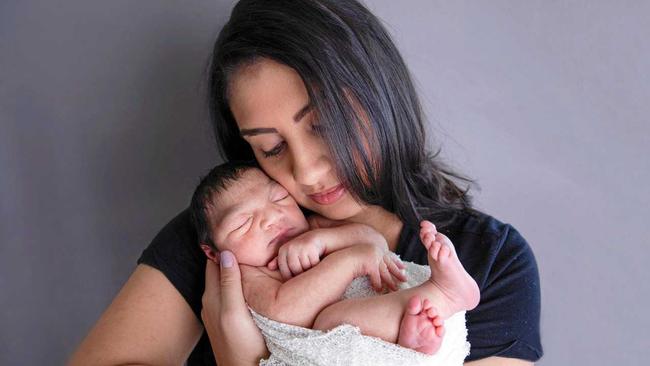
[{"x": 345, "y": 345}]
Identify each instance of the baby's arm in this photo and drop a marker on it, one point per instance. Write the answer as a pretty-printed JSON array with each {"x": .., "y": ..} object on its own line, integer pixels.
[
  {"x": 304, "y": 252},
  {"x": 299, "y": 300}
]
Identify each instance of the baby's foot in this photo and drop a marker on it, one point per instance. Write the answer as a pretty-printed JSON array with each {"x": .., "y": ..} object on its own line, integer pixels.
[
  {"x": 421, "y": 328},
  {"x": 447, "y": 273}
]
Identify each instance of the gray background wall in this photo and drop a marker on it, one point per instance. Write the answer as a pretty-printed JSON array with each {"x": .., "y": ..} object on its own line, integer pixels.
[{"x": 103, "y": 134}]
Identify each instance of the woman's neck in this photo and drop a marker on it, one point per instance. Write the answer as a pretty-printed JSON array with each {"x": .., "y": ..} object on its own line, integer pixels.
[{"x": 385, "y": 222}]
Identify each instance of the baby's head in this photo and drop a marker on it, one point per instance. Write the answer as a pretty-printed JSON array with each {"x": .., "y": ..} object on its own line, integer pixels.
[{"x": 237, "y": 207}]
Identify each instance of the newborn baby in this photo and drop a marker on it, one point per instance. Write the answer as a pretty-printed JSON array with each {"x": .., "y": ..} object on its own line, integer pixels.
[{"x": 296, "y": 273}]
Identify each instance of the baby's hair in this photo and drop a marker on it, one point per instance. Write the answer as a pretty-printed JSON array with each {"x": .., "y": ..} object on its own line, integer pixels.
[{"x": 216, "y": 181}]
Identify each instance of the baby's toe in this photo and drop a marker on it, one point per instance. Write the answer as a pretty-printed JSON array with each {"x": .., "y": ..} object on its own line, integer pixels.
[
  {"x": 444, "y": 253},
  {"x": 434, "y": 250},
  {"x": 440, "y": 331},
  {"x": 426, "y": 304},
  {"x": 432, "y": 312},
  {"x": 437, "y": 321}
]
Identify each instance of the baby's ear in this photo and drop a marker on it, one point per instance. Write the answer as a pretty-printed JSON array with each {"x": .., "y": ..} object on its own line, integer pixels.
[{"x": 212, "y": 254}]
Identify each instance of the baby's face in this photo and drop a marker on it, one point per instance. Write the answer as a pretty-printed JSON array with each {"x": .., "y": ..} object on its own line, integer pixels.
[{"x": 254, "y": 217}]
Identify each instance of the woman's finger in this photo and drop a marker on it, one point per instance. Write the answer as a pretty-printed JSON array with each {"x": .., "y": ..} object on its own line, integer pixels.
[
  {"x": 212, "y": 280},
  {"x": 230, "y": 288}
]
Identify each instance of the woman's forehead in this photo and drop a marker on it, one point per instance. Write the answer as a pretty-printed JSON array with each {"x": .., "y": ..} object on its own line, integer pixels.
[{"x": 265, "y": 94}]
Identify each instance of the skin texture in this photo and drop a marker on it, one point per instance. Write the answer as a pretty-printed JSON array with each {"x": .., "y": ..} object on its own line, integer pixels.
[{"x": 150, "y": 323}]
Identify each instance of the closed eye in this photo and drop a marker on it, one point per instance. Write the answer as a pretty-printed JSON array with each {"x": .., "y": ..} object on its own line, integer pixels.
[
  {"x": 275, "y": 151},
  {"x": 282, "y": 198},
  {"x": 243, "y": 224}
]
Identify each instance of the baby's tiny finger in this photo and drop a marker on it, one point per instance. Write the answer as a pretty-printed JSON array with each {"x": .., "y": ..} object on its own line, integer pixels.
[
  {"x": 313, "y": 259},
  {"x": 375, "y": 280},
  {"x": 397, "y": 272},
  {"x": 397, "y": 261},
  {"x": 284, "y": 267},
  {"x": 294, "y": 265},
  {"x": 392, "y": 284},
  {"x": 305, "y": 262}
]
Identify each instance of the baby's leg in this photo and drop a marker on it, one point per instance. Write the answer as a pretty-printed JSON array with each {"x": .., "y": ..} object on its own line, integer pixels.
[
  {"x": 449, "y": 290},
  {"x": 377, "y": 316}
]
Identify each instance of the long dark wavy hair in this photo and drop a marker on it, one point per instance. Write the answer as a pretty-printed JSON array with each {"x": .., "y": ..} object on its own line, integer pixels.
[{"x": 362, "y": 95}]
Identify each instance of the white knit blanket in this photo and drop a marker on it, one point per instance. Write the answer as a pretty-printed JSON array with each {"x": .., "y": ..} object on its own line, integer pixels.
[{"x": 345, "y": 345}]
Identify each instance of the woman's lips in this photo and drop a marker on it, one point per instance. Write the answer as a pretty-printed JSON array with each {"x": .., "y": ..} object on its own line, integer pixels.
[{"x": 329, "y": 196}]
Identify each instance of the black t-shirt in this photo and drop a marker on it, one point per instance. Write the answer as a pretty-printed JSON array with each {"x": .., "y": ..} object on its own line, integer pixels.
[{"x": 505, "y": 323}]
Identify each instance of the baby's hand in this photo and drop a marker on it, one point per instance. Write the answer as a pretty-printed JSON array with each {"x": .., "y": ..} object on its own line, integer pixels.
[
  {"x": 381, "y": 266},
  {"x": 298, "y": 254}
]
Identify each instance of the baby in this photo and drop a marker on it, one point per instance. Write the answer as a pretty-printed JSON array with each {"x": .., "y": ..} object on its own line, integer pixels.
[{"x": 296, "y": 273}]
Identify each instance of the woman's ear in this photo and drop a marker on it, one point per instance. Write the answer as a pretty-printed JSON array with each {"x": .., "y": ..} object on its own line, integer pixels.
[{"x": 212, "y": 254}]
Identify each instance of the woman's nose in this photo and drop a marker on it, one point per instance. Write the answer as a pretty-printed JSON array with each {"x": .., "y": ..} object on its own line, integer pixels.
[{"x": 310, "y": 165}]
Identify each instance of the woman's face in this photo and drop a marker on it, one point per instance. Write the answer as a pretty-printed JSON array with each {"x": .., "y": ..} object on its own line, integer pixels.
[{"x": 271, "y": 106}]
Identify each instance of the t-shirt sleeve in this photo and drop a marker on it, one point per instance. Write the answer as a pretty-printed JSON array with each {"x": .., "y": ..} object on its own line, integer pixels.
[
  {"x": 506, "y": 322},
  {"x": 174, "y": 252}
]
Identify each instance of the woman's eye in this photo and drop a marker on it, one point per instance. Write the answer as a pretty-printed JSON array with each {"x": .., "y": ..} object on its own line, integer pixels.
[{"x": 275, "y": 151}]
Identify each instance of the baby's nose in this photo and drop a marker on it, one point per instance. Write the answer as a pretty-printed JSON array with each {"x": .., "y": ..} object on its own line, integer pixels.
[{"x": 272, "y": 219}]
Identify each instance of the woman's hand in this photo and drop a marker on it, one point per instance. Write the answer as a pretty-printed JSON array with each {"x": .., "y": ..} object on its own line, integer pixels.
[
  {"x": 299, "y": 254},
  {"x": 234, "y": 337},
  {"x": 381, "y": 266}
]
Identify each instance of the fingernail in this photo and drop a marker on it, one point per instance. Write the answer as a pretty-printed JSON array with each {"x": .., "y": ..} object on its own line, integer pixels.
[{"x": 226, "y": 259}]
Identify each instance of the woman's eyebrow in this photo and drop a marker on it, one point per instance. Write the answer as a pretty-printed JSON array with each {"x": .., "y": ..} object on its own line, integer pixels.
[{"x": 258, "y": 131}]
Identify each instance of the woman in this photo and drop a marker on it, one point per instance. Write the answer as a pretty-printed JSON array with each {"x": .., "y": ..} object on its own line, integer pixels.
[{"x": 317, "y": 92}]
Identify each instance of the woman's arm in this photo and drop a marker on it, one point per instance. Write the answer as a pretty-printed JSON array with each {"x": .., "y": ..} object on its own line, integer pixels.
[{"x": 148, "y": 323}]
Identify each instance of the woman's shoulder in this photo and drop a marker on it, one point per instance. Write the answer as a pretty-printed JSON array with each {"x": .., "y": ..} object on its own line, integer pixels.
[
  {"x": 504, "y": 266},
  {"x": 478, "y": 238},
  {"x": 175, "y": 252},
  {"x": 481, "y": 236}
]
